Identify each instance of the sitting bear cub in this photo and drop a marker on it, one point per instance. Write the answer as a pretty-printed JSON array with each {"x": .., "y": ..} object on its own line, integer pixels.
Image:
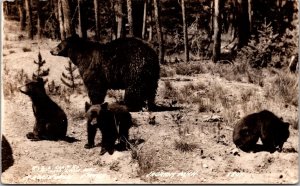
[
  {"x": 51, "y": 121},
  {"x": 265, "y": 125},
  {"x": 114, "y": 122}
]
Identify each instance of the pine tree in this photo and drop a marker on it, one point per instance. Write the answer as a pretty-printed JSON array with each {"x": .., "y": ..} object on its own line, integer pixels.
[
  {"x": 69, "y": 78},
  {"x": 40, "y": 72}
]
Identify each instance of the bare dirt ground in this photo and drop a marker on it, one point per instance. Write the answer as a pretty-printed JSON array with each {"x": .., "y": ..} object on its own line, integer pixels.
[{"x": 182, "y": 146}]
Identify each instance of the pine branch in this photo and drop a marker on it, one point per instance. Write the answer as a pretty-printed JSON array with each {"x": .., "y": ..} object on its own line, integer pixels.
[
  {"x": 66, "y": 83},
  {"x": 66, "y": 77}
]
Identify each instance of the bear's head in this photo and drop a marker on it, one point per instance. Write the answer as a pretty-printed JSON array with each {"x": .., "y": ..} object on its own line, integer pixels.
[
  {"x": 62, "y": 49},
  {"x": 93, "y": 112},
  {"x": 284, "y": 131},
  {"x": 244, "y": 137},
  {"x": 34, "y": 88}
]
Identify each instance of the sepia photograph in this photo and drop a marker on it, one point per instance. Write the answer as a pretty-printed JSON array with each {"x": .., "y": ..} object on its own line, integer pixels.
[{"x": 149, "y": 91}]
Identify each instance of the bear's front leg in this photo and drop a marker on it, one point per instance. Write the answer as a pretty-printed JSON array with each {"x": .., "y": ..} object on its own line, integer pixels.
[
  {"x": 32, "y": 136},
  {"x": 107, "y": 144},
  {"x": 91, "y": 129}
]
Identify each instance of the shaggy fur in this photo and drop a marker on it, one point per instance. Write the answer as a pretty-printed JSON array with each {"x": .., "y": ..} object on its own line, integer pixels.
[
  {"x": 126, "y": 63},
  {"x": 114, "y": 122},
  {"x": 7, "y": 159},
  {"x": 265, "y": 125},
  {"x": 51, "y": 121}
]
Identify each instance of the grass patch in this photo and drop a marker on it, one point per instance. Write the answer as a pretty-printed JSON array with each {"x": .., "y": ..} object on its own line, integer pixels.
[
  {"x": 204, "y": 105},
  {"x": 166, "y": 71},
  {"x": 189, "y": 69},
  {"x": 12, "y": 51},
  {"x": 146, "y": 161},
  {"x": 26, "y": 49},
  {"x": 284, "y": 87},
  {"x": 184, "y": 146},
  {"x": 169, "y": 91}
]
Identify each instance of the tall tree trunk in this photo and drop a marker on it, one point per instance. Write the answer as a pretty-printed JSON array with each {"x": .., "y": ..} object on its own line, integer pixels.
[
  {"x": 97, "y": 20},
  {"x": 151, "y": 22},
  {"x": 22, "y": 16},
  {"x": 242, "y": 23},
  {"x": 5, "y": 8},
  {"x": 29, "y": 18},
  {"x": 82, "y": 19},
  {"x": 39, "y": 20},
  {"x": 129, "y": 17},
  {"x": 185, "y": 32},
  {"x": 55, "y": 8},
  {"x": 217, "y": 30},
  {"x": 211, "y": 19},
  {"x": 120, "y": 18},
  {"x": 144, "y": 19},
  {"x": 61, "y": 20},
  {"x": 159, "y": 30},
  {"x": 250, "y": 15},
  {"x": 68, "y": 25}
]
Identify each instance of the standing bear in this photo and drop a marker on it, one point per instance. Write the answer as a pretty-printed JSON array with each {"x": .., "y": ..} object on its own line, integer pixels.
[
  {"x": 114, "y": 122},
  {"x": 125, "y": 63},
  {"x": 265, "y": 125},
  {"x": 51, "y": 121}
]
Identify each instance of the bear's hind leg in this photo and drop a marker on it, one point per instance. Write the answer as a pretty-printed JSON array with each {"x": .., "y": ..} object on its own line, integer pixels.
[
  {"x": 150, "y": 93},
  {"x": 133, "y": 99}
]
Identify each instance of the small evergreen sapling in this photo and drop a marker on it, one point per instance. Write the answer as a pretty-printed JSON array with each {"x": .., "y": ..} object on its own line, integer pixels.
[
  {"x": 70, "y": 78},
  {"x": 40, "y": 72}
]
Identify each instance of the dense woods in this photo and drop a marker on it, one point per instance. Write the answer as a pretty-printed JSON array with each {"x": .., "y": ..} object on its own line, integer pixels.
[{"x": 193, "y": 27}]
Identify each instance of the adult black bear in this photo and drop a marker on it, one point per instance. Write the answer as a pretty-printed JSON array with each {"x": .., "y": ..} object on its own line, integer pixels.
[
  {"x": 126, "y": 63},
  {"x": 51, "y": 121},
  {"x": 265, "y": 125},
  {"x": 114, "y": 122},
  {"x": 7, "y": 159}
]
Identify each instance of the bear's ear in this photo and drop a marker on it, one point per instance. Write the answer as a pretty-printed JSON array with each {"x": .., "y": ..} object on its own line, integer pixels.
[
  {"x": 87, "y": 106},
  {"x": 104, "y": 106},
  {"x": 40, "y": 80},
  {"x": 287, "y": 124}
]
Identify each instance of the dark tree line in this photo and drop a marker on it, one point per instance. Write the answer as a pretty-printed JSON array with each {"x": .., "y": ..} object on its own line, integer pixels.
[{"x": 152, "y": 20}]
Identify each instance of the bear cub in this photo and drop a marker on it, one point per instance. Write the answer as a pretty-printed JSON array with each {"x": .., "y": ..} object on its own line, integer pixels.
[
  {"x": 51, "y": 121},
  {"x": 114, "y": 122},
  {"x": 7, "y": 159},
  {"x": 265, "y": 125}
]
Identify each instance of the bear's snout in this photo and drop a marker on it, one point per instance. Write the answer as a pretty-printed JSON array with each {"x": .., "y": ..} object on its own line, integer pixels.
[
  {"x": 23, "y": 89},
  {"x": 53, "y": 52}
]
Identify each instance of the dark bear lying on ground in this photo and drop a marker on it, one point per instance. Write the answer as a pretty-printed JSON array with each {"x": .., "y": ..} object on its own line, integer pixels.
[
  {"x": 114, "y": 122},
  {"x": 265, "y": 125},
  {"x": 6, "y": 154},
  {"x": 126, "y": 63},
  {"x": 51, "y": 121}
]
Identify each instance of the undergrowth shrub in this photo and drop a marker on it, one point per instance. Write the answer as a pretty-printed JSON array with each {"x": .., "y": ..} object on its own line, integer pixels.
[
  {"x": 189, "y": 69},
  {"x": 167, "y": 72},
  {"x": 270, "y": 49},
  {"x": 284, "y": 87},
  {"x": 184, "y": 146},
  {"x": 169, "y": 91}
]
